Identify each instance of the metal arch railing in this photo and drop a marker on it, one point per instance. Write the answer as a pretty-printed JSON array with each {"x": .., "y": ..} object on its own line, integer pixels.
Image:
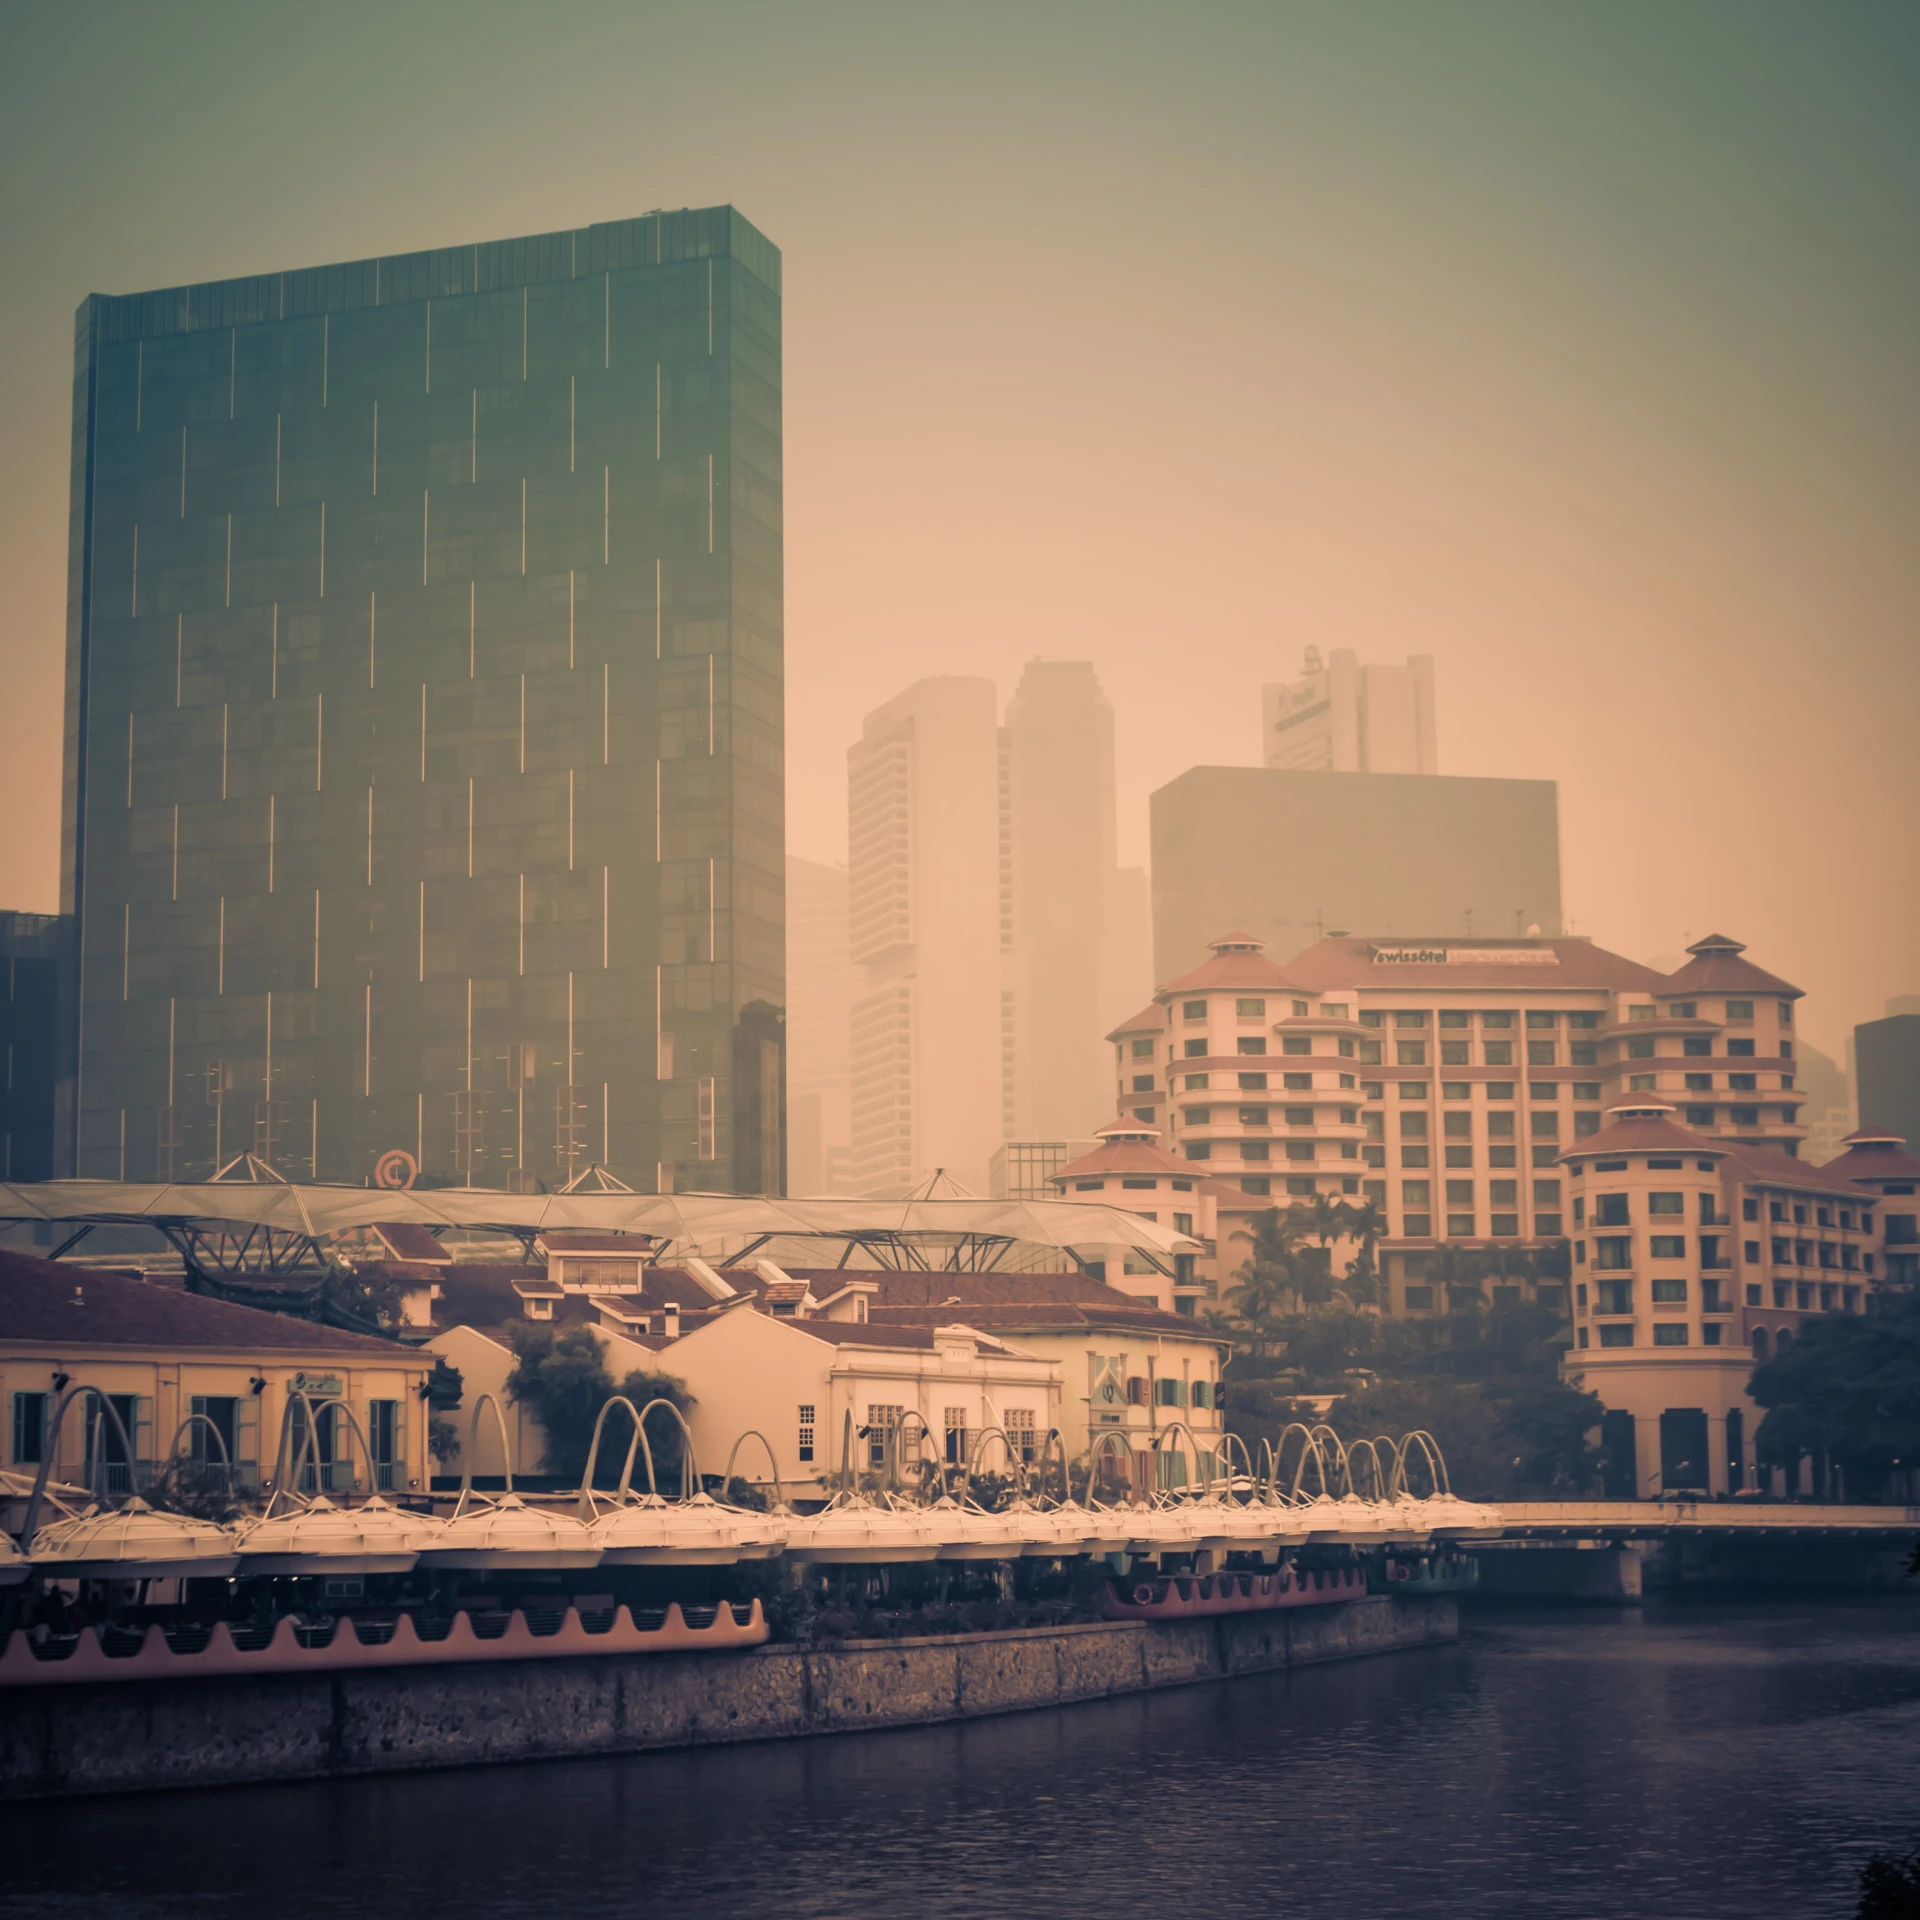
[
  {"x": 200, "y": 1419},
  {"x": 51, "y": 1451},
  {"x": 972, "y": 1464},
  {"x": 1435, "y": 1459},
  {"x": 754, "y": 1433},
  {"x": 473, "y": 1435},
  {"x": 1172, "y": 1427},
  {"x": 1106, "y": 1442},
  {"x": 584, "y": 1509},
  {"x": 288, "y": 1472}
]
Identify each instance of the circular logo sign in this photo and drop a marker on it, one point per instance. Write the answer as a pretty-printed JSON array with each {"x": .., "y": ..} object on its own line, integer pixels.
[{"x": 395, "y": 1170}]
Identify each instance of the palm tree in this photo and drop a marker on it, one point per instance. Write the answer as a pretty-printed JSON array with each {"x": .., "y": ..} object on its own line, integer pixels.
[
  {"x": 1365, "y": 1223},
  {"x": 1272, "y": 1275}
]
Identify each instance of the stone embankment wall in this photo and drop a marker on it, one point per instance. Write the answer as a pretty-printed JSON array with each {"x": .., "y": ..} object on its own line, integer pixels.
[{"x": 175, "y": 1733}]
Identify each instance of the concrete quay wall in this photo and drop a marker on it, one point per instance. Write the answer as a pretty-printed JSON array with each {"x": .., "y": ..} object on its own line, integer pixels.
[{"x": 223, "y": 1732}]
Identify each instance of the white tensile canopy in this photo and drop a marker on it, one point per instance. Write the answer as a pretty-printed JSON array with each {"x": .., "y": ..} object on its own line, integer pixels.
[{"x": 690, "y": 1220}]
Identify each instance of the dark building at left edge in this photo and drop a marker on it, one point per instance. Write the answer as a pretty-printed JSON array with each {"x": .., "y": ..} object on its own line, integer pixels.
[{"x": 424, "y": 747}]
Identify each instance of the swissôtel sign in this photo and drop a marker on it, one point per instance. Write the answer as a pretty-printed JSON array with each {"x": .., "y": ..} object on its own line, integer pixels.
[{"x": 1465, "y": 957}]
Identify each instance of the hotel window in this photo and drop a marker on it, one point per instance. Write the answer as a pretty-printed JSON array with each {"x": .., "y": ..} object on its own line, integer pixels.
[
  {"x": 1417, "y": 1226},
  {"x": 1739, "y": 1009},
  {"x": 1455, "y": 1053},
  {"x": 954, "y": 1420},
  {"x": 1670, "y": 1333},
  {"x": 1610, "y": 1210},
  {"x": 1256, "y": 1116},
  {"x": 1782, "y": 1254},
  {"x": 1245, "y": 1044},
  {"x": 1370, "y": 1053},
  {"x": 1500, "y": 1090},
  {"x": 1740, "y": 1049},
  {"x": 1543, "y": 1090},
  {"x": 1640, "y": 1049},
  {"x": 1409, "y": 1019},
  {"x": 1143, "y": 1083},
  {"x": 1089, "y": 1186},
  {"x": 1022, "y": 1434},
  {"x": 1640, "y": 1013},
  {"x": 1497, "y": 1053},
  {"x": 1503, "y": 1193},
  {"x": 1505, "y": 1226},
  {"x": 1669, "y": 1246},
  {"x": 1544, "y": 1126},
  {"x": 1295, "y": 1043},
  {"x": 1196, "y": 1116},
  {"x": 1296, "y": 1150},
  {"x": 1249, "y": 1009},
  {"x": 1667, "y": 1203},
  {"x": 1371, "y": 1019},
  {"x": 1743, "y": 1082},
  {"x": 1586, "y": 1089},
  {"x": 1583, "y": 1022},
  {"x": 1459, "y": 1193},
  {"x": 386, "y": 1433},
  {"x": 1684, "y": 1010},
  {"x": 1297, "y": 1082},
  {"x": 1669, "y": 1293},
  {"x": 1201, "y": 1392},
  {"x": 1299, "y": 1116},
  {"x": 1542, "y": 1053},
  {"x": 1253, "y": 1082},
  {"x": 1416, "y": 1193},
  {"x": 1579, "y": 1055},
  {"x": 1459, "y": 1156},
  {"x": 1196, "y": 1050},
  {"x": 806, "y": 1433},
  {"x": 1301, "y": 1009},
  {"x": 1193, "y": 1010},
  {"x": 1183, "y": 1222},
  {"x": 1345, "y": 1048},
  {"x": 1196, "y": 1083},
  {"x": 1460, "y": 1226},
  {"x": 1500, "y": 1126},
  {"x": 1457, "y": 1126},
  {"x": 1699, "y": 1116},
  {"x": 1613, "y": 1296},
  {"x": 1640, "y": 1083},
  {"x": 1456, "y": 1089},
  {"x": 1613, "y": 1251},
  {"x": 1169, "y": 1393},
  {"x": 1199, "y": 1149},
  {"x": 1697, "y": 1047},
  {"x": 1419, "y": 1299},
  {"x": 1699, "y": 1082},
  {"x": 1496, "y": 1019},
  {"x": 1373, "y": 1089},
  {"x": 1143, "y": 1049},
  {"x": 1616, "y": 1336},
  {"x": 1413, "y": 1126},
  {"x": 1259, "y": 1150},
  {"x": 1411, "y": 1053},
  {"x": 1744, "y": 1116},
  {"x": 1413, "y": 1089}
]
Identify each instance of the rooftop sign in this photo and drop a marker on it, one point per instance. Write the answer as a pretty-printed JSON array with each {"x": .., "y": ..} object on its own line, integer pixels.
[{"x": 1465, "y": 957}]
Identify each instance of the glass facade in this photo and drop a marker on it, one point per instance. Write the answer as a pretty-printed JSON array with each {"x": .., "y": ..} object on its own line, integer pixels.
[{"x": 424, "y": 717}]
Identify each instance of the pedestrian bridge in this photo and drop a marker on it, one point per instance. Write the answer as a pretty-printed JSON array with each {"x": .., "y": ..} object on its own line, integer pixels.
[{"x": 1547, "y": 1521}]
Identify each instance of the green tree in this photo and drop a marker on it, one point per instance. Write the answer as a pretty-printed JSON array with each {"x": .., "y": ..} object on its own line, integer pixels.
[
  {"x": 560, "y": 1376},
  {"x": 1366, "y": 1224},
  {"x": 1849, "y": 1385},
  {"x": 1459, "y": 1418}
]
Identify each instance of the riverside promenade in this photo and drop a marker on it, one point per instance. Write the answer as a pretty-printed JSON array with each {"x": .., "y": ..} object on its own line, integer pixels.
[{"x": 119, "y": 1737}]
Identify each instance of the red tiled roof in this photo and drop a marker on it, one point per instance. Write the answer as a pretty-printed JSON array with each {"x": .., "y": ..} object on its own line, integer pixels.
[
  {"x": 1577, "y": 966},
  {"x": 581, "y": 1240},
  {"x": 1717, "y": 967},
  {"x": 1644, "y": 1130},
  {"x": 1127, "y": 1152},
  {"x": 1055, "y": 1316},
  {"x": 1237, "y": 962},
  {"x": 37, "y": 1305},
  {"x": 1875, "y": 1153},
  {"x": 407, "y": 1240},
  {"x": 1770, "y": 1166},
  {"x": 1151, "y": 1019}
]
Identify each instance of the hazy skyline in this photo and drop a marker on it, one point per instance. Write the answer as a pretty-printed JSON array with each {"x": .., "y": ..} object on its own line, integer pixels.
[{"x": 1575, "y": 349}]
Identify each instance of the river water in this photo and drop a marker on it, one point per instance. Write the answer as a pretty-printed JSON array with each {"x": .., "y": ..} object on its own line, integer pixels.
[{"x": 1695, "y": 1759}]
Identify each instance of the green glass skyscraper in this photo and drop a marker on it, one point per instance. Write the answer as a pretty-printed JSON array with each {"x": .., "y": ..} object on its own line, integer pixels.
[{"x": 424, "y": 742}]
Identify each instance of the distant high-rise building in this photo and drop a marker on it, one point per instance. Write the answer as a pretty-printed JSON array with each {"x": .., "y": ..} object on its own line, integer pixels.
[
  {"x": 1340, "y": 717},
  {"x": 1288, "y": 856},
  {"x": 1077, "y": 927},
  {"x": 1887, "y": 1062},
  {"x": 924, "y": 912},
  {"x": 820, "y": 988},
  {"x": 36, "y": 1005},
  {"x": 424, "y": 719}
]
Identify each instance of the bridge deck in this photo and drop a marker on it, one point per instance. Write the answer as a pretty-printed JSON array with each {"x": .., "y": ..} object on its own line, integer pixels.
[{"x": 1547, "y": 1520}]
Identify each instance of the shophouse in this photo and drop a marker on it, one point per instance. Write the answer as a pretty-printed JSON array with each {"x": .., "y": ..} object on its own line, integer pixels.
[{"x": 197, "y": 1378}]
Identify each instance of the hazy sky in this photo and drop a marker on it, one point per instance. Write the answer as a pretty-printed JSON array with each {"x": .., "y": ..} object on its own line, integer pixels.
[{"x": 1578, "y": 346}]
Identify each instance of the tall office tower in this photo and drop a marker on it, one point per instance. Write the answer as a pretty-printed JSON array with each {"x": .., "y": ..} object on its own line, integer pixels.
[
  {"x": 819, "y": 1029},
  {"x": 1288, "y": 856},
  {"x": 1887, "y": 1064},
  {"x": 923, "y": 835},
  {"x": 36, "y": 1000},
  {"x": 1340, "y": 717},
  {"x": 424, "y": 750},
  {"x": 1076, "y": 926}
]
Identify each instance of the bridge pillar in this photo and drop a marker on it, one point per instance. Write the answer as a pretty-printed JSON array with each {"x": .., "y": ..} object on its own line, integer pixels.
[{"x": 1597, "y": 1572}]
